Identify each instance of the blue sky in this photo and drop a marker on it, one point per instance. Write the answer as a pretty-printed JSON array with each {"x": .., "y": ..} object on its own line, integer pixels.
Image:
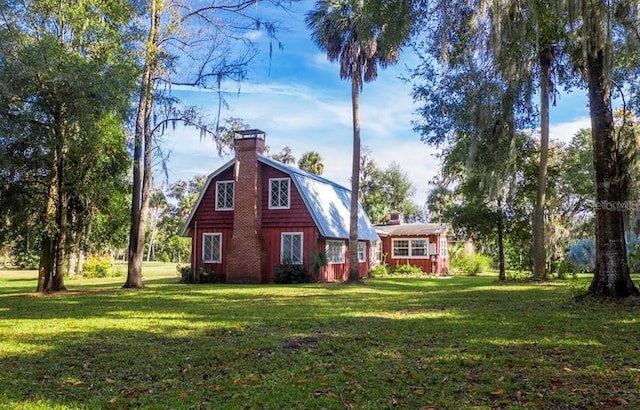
[{"x": 298, "y": 99}]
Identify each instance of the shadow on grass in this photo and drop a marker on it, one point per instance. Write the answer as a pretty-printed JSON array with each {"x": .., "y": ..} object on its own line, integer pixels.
[{"x": 234, "y": 357}]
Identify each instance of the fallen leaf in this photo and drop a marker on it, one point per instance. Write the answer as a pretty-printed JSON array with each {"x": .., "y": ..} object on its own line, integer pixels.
[
  {"x": 498, "y": 392},
  {"x": 556, "y": 383},
  {"x": 113, "y": 399},
  {"x": 419, "y": 390},
  {"x": 109, "y": 380},
  {"x": 240, "y": 381}
]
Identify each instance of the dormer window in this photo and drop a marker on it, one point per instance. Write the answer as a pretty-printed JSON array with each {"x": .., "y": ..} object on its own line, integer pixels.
[
  {"x": 279, "y": 193},
  {"x": 224, "y": 195}
]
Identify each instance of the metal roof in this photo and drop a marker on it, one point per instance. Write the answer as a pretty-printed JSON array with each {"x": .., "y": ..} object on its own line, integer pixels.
[
  {"x": 328, "y": 203},
  {"x": 412, "y": 229}
]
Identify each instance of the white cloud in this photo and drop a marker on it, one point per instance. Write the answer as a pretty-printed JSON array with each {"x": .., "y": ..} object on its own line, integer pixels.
[
  {"x": 565, "y": 131},
  {"x": 307, "y": 119},
  {"x": 253, "y": 35}
]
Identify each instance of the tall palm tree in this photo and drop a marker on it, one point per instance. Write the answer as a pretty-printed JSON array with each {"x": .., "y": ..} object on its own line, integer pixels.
[
  {"x": 360, "y": 35},
  {"x": 311, "y": 161}
]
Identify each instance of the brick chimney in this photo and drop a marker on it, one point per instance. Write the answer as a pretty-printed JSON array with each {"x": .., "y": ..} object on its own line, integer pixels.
[{"x": 245, "y": 252}]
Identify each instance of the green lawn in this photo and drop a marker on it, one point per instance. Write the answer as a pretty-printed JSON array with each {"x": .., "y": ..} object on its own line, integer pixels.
[{"x": 391, "y": 343}]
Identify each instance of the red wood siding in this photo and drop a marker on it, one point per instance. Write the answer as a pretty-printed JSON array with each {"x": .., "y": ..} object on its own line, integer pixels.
[
  {"x": 296, "y": 216},
  {"x": 272, "y": 239},
  {"x": 206, "y": 214},
  {"x": 196, "y": 249},
  {"x": 439, "y": 264},
  {"x": 312, "y": 244},
  {"x": 340, "y": 271}
]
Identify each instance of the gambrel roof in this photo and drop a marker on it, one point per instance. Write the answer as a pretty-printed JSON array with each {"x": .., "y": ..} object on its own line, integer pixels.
[{"x": 328, "y": 203}]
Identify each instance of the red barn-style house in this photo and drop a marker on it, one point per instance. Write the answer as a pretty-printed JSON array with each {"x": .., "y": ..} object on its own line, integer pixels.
[
  {"x": 419, "y": 244},
  {"x": 255, "y": 213}
]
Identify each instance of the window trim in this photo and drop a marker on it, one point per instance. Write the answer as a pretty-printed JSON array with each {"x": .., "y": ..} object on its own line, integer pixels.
[
  {"x": 364, "y": 252},
  {"x": 328, "y": 254},
  {"x": 410, "y": 248},
  {"x": 233, "y": 195},
  {"x": 301, "y": 235},
  {"x": 271, "y": 182},
  {"x": 375, "y": 252},
  {"x": 444, "y": 244},
  {"x": 219, "y": 235}
]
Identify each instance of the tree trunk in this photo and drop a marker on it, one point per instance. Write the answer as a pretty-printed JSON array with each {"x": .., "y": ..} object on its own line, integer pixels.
[
  {"x": 354, "y": 272},
  {"x": 72, "y": 263},
  {"x": 57, "y": 282},
  {"x": 80, "y": 261},
  {"x": 611, "y": 274},
  {"x": 61, "y": 243},
  {"x": 539, "y": 251},
  {"x": 45, "y": 266},
  {"x": 142, "y": 164},
  {"x": 501, "y": 270},
  {"x": 152, "y": 233}
]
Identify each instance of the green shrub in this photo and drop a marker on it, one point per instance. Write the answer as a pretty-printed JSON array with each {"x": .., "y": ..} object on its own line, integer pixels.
[
  {"x": 566, "y": 270},
  {"x": 96, "y": 267},
  {"x": 517, "y": 275},
  {"x": 27, "y": 260},
  {"x": 319, "y": 260},
  {"x": 186, "y": 274},
  {"x": 207, "y": 276},
  {"x": 291, "y": 273},
  {"x": 204, "y": 276},
  {"x": 379, "y": 271},
  {"x": 470, "y": 265},
  {"x": 164, "y": 257},
  {"x": 407, "y": 270}
]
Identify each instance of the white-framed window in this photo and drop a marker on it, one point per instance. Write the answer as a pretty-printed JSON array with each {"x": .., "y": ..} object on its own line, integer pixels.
[
  {"x": 291, "y": 247},
  {"x": 335, "y": 251},
  {"x": 375, "y": 253},
  {"x": 224, "y": 195},
  {"x": 212, "y": 247},
  {"x": 410, "y": 248},
  {"x": 279, "y": 193},
  {"x": 362, "y": 251},
  {"x": 443, "y": 247}
]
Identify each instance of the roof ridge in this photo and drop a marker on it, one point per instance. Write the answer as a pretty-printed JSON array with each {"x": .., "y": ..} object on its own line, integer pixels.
[{"x": 292, "y": 169}]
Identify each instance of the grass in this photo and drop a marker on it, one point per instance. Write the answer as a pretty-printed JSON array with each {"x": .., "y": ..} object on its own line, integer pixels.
[{"x": 462, "y": 343}]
